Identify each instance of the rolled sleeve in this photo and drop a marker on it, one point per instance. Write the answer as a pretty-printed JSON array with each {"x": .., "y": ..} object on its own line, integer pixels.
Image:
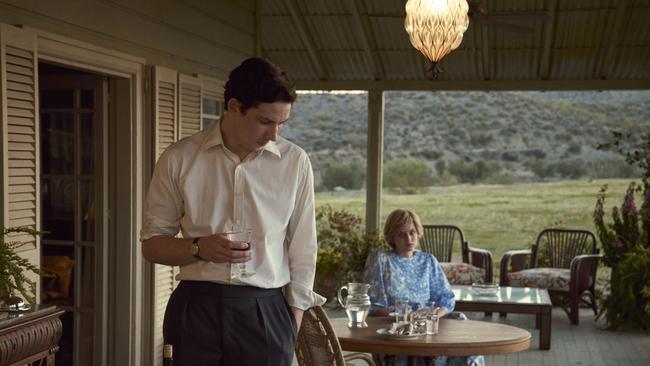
[
  {"x": 163, "y": 207},
  {"x": 303, "y": 246}
]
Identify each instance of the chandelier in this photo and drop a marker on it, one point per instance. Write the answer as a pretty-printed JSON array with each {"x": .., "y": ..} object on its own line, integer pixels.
[{"x": 436, "y": 27}]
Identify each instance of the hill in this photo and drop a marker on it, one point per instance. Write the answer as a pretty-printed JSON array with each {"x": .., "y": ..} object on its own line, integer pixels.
[{"x": 509, "y": 128}]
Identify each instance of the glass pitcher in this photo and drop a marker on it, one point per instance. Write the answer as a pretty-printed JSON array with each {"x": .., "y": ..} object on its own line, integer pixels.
[{"x": 356, "y": 303}]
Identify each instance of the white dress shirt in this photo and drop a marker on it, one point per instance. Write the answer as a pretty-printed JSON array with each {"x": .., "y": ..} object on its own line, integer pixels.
[{"x": 202, "y": 188}]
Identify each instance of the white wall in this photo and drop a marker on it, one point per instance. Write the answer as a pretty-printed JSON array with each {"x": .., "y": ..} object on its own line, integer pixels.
[{"x": 191, "y": 36}]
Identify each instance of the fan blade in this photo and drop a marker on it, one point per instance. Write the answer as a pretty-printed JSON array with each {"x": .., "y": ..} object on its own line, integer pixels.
[
  {"x": 523, "y": 16},
  {"x": 504, "y": 25}
]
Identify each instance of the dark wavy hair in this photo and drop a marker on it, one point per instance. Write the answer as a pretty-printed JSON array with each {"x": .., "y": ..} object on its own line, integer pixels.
[{"x": 258, "y": 80}]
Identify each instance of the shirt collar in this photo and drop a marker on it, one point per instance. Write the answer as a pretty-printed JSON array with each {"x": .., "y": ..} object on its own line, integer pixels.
[{"x": 215, "y": 138}]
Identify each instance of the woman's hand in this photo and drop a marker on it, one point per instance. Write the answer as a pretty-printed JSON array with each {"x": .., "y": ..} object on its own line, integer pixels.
[{"x": 381, "y": 312}]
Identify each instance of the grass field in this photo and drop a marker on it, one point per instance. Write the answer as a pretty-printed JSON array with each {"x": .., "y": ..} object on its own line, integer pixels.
[{"x": 496, "y": 217}]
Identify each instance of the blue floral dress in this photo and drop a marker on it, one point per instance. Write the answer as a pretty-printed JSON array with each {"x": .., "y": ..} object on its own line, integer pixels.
[{"x": 419, "y": 279}]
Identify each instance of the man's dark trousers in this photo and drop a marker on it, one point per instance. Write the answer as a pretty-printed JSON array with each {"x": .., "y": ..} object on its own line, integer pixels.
[{"x": 211, "y": 324}]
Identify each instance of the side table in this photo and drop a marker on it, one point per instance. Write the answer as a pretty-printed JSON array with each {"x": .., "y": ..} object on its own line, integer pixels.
[{"x": 29, "y": 336}]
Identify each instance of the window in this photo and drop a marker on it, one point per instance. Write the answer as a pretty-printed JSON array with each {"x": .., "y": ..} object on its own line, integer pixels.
[{"x": 212, "y": 111}]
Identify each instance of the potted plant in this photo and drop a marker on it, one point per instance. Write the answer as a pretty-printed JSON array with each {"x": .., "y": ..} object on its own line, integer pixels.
[
  {"x": 13, "y": 269},
  {"x": 626, "y": 246}
]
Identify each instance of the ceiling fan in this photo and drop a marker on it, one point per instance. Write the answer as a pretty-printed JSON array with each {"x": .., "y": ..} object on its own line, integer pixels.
[{"x": 519, "y": 22}]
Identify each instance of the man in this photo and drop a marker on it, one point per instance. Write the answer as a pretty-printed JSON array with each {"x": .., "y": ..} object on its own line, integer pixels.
[{"x": 238, "y": 173}]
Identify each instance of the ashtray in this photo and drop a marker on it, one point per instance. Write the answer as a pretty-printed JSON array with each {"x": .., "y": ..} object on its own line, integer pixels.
[{"x": 485, "y": 289}]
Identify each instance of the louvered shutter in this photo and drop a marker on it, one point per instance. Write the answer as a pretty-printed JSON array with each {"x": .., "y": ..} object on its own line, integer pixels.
[
  {"x": 165, "y": 113},
  {"x": 19, "y": 128},
  {"x": 190, "y": 105}
]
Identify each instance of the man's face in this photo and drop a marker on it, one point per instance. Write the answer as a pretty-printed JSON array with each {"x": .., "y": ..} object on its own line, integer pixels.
[{"x": 260, "y": 124}]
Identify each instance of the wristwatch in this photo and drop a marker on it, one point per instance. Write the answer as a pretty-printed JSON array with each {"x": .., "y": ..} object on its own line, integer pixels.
[{"x": 195, "y": 249}]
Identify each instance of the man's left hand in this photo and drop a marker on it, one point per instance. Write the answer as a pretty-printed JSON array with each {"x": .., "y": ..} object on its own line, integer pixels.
[{"x": 297, "y": 314}]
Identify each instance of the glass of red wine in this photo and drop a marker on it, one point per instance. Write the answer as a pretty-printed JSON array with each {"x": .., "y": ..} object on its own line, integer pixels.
[{"x": 244, "y": 235}]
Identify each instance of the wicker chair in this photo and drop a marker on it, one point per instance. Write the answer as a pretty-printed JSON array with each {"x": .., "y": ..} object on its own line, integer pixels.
[
  {"x": 571, "y": 275},
  {"x": 439, "y": 240},
  {"x": 317, "y": 344}
]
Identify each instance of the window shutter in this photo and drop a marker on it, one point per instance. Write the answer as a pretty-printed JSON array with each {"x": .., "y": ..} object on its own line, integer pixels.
[
  {"x": 190, "y": 105},
  {"x": 212, "y": 88},
  {"x": 165, "y": 112},
  {"x": 20, "y": 136}
]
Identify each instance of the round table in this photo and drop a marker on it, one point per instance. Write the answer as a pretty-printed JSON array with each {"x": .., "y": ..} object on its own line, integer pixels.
[{"x": 454, "y": 338}]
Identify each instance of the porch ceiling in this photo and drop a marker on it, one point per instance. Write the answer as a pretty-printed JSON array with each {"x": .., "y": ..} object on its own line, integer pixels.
[{"x": 546, "y": 44}]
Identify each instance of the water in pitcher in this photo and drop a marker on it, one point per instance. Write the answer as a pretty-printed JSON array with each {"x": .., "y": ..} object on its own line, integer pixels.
[{"x": 357, "y": 315}]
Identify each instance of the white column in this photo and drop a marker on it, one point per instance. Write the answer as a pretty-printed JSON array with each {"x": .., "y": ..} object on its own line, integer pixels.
[{"x": 375, "y": 158}]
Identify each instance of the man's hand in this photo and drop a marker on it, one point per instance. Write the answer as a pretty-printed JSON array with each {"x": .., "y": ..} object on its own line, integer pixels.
[
  {"x": 216, "y": 248},
  {"x": 297, "y": 314},
  {"x": 172, "y": 251}
]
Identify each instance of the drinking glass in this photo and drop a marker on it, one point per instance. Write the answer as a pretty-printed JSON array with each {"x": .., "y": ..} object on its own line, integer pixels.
[
  {"x": 432, "y": 318},
  {"x": 242, "y": 235},
  {"x": 402, "y": 308}
]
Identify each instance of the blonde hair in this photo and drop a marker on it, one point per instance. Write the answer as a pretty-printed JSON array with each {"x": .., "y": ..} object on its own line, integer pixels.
[{"x": 397, "y": 220}]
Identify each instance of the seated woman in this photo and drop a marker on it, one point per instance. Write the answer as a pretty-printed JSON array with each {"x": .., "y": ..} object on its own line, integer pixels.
[{"x": 406, "y": 273}]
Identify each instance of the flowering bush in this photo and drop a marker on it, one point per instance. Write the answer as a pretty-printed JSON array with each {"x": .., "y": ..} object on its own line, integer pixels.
[
  {"x": 343, "y": 246},
  {"x": 626, "y": 246}
]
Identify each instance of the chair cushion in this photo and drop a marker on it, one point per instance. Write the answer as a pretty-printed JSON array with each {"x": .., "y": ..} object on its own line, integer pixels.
[
  {"x": 462, "y": 273},
  {"x": 553, "y": 278}
]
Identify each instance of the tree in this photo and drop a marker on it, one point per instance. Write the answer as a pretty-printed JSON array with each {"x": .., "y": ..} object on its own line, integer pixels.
[
  {"x": 350, "y": 176},
  {"x": 408, "y": 175}
]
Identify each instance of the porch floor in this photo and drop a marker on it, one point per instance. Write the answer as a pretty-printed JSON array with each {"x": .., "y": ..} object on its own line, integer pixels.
[{"x": 584, "y": 344}]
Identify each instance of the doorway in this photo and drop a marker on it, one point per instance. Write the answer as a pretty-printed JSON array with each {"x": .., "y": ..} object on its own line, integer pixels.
[{"x": 73, "y": 110}]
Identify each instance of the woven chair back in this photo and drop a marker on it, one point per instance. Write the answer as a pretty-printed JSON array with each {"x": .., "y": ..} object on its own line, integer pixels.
[
  {"x": 317, "y": 343},
  {"x": 439, "y": 240},
  {"x": 562, "y": 245}
]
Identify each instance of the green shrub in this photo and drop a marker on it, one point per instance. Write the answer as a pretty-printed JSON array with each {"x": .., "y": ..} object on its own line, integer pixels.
[
  {"x": 428, "y": 154},
  {"x": 534, "y": 153},
  {"x": 571, "y": 169},
  {"x": 441, "y": 167},
  {"x": 343, "y": 246},
  {"x": 350, "y": 176},
  {"x": 408, "y": 175},
  {"x": 574, "y": 149},
  {"x": 473, "y": 172},
  {"x": 540, "y": 168},
  {"x": 480, "y": 139},
  {"x": 509, "y": 156},
  {"x": 505, "y": 178},
  {"x": 446, "y": 179},
  {"x": 613, "y": 168}
]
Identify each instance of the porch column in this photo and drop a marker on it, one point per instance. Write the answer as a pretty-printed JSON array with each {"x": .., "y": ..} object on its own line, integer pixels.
[{"x": 375, "y": 158}]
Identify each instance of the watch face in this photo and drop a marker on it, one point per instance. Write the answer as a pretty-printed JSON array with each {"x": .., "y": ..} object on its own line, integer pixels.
[{"x": 195, "y": 249}]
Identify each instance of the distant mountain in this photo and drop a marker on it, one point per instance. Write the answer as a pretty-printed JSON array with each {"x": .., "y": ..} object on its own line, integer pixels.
[{"x": 506, "y": 127}]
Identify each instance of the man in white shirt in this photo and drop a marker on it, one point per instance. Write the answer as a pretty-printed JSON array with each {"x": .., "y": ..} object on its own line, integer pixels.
[{"x": 238, "y": 173}]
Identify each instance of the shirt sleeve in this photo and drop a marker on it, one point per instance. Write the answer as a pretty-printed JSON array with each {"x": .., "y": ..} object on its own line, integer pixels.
[
  {"x": 164, "y": 203},
  {"x": 373, "y": 275},
  {"x": 303, "y": 247},
  {"x": 439, "y": 287}
]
